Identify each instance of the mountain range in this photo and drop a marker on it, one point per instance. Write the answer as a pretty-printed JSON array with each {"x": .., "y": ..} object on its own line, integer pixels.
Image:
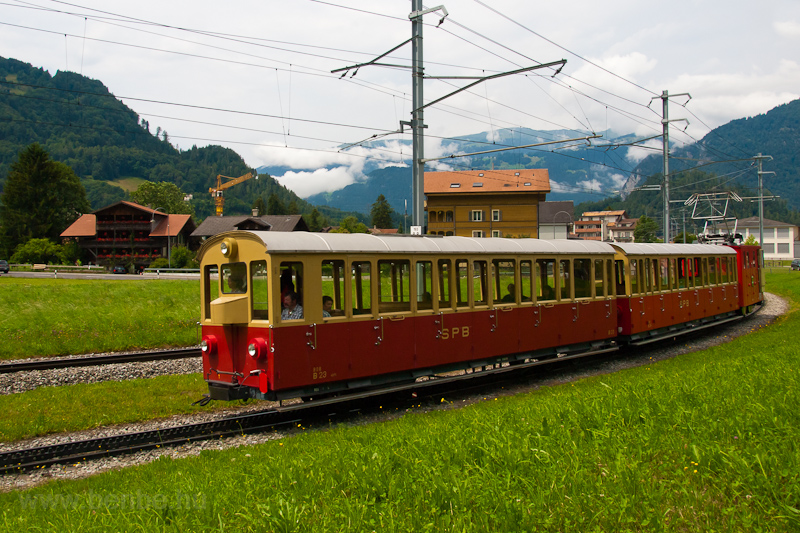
[{"x": 113, "y": 150}]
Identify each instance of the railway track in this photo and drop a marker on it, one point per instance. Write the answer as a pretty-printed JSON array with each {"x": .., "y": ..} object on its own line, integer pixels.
[
  {"x": 91, "y": 360},
  {"x": 25, "y": 460}
]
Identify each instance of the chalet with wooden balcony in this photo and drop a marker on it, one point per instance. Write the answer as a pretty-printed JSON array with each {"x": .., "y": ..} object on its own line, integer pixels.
[{"x": 128, "y": 233}]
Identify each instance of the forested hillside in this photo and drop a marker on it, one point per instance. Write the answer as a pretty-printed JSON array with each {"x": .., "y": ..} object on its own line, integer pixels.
[
  {"x": 80, "y": 123},
  {"x": 775, "y": 133}
]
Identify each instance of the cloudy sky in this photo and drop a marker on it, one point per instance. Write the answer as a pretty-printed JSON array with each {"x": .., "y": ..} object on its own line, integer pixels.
[{"x": 256, "y": 76}]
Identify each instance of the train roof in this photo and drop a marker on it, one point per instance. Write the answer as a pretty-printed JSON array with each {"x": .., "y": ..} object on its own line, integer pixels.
[
  {"x": 302, "y": 242},
  {"x": 657, "y": 248}
]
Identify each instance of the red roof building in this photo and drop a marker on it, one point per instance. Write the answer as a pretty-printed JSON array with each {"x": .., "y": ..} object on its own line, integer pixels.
[
  {"x": 129, "y": 234},
  {"x": 486, "y": 203}
]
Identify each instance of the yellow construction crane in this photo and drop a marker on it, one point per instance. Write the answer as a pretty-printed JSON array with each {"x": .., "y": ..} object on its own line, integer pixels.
[{"x": 216, "y": 192}]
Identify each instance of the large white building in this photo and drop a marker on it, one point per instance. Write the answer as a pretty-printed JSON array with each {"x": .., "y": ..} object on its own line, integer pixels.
[{"x": 780, "y": 238}]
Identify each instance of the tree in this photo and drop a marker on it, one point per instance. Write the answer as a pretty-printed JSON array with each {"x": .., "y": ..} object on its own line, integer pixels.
[
  {"x": 751, "y": 240},
  {"x": 162, "y": 194},
  {"x": 381, "y": 213},
  {"x": 351, "y": 225},
  {"x": 260, "y": 206},
  {"x": 292, "y": 208},
  {"x": 690, "y": 238},
  {"x": 41, "y": 198},
  {"x": 275, "y": 206},
  {"x": 645, "y": 230},
  {"x": 315, "y": 220}
]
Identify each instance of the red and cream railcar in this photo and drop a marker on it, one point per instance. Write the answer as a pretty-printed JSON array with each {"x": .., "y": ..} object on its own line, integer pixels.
[
  {"x": 751, "y": 280},
  {"x": 663, "y": 288},
  {"x": 402, "y": 307}
]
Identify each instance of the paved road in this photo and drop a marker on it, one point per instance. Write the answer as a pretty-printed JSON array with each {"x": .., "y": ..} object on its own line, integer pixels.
[{"x": 98, "y": 275}]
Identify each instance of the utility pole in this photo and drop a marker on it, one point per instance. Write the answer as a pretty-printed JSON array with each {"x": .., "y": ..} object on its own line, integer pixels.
[
  {"x": 665, "y": 134},
  {"x": 760, "y": 159},
  {"x": 417, "y": 119}
]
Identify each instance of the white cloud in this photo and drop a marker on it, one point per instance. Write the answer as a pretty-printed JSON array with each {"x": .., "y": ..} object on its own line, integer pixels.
[
  {"x": 787, "y": 28},
  {"x": 635, "y": 154},
  {"x": 590, "y": 186},
  {"x": 304, "y": 184}
]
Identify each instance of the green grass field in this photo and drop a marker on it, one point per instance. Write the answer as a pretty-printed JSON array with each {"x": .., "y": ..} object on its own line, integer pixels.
[
  {"x": 43, "y": 317},
  {"x": 707, "y": 441}
]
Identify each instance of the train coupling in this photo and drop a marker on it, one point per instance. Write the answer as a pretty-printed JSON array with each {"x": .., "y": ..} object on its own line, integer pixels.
[{"x": 225, "y": 392}]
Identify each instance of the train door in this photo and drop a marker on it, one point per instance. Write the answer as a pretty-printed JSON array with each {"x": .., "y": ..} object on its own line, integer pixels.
[
  {"x": 365, "y": 330},
  {"x": 427, "y": 331},
  {"x": 396, "y": 341},
  {"x": 546, "y": 300},
  {"x": 328, "y": 356},
  {"x": 504, "y": 318},
  {"x": 293, "y": 361}
]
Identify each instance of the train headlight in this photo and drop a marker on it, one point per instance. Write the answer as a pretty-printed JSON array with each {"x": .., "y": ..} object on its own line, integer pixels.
[
  {"x": 209, "y": 344},
  {"x": 257, "y": 348},
  {"x": 228, "y": 247}
]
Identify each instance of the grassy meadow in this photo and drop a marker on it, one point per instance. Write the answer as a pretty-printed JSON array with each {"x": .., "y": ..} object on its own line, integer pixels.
[
  {"x": 707, "y": 441},
  {"x": 42, "y": 317}
]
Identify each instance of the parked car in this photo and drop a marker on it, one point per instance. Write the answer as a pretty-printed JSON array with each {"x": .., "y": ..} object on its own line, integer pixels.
[
  {"x": 795, "y": 265},
  {"x": 119, "y": 269},
  {"x": 3, "y": 266}
]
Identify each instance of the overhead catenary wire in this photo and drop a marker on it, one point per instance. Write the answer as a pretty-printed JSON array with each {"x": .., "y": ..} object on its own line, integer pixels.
[{"x": 290, "y": 71}]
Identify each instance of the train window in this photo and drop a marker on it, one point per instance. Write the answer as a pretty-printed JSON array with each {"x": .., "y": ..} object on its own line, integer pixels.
[
  {"x": 395, "y": 283},
  {"x": 362, "y": 296},
  {"x": 655, "y": 274},
  {"x": 480, "y": 283},
  {"x": 619, "y": 279},
  {"x": 583, "y": 278},
  {"x": 712, "y": 270},
  {"x": 462, "y": 283},
  {"x": 445, "y": 282},
  {"x": 564, "y": 279},
  {"x": 699, "y": 272},
  {"x": 546, "y": 276},
  {"x": 234, "y": 278},
  {"x": 503, "y": 272},
  {"x": 291, "y": 283},
  {"x": 527, "y": 280},
  {"x": 291, "y": 276},
  {"x": 599, "y": 279},
  {"x": 609, "y": 275},
  {"x": 683, "y": 274},
  {"x": 424, "y": 285},
  {"x": 259, "y": 288},
  {"x": 333, "y": 288},
  {"x": 211, "y": 286},
  {"x": 673, "y": 273},
  {"x": 702, "y": 271},
  {"x": 663, "y": 273},
  {"x": 647, "y": 278},
  {"x": 634, "y": 277}
]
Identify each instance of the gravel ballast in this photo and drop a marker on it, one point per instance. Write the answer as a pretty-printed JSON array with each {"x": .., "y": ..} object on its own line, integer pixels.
[{"x": 773, "y": 308}]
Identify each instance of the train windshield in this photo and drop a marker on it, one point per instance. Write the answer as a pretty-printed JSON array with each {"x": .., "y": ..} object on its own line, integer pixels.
[{"x": 234, "y": 278}]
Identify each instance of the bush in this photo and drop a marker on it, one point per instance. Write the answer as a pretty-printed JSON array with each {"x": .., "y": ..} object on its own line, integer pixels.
[
  {"x": 161, "y": 262},
  {"x": 181, "y": 256},
  {"x": 38, "y": 251}
]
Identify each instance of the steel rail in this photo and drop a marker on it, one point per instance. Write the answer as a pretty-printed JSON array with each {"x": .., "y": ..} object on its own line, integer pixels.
[
  {"x": 25, "y": 460},
  {"x": 91, "y": 360}
]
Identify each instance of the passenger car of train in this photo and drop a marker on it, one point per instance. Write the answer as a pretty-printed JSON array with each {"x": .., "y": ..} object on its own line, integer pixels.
[{"x": 307, "y": 314}]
